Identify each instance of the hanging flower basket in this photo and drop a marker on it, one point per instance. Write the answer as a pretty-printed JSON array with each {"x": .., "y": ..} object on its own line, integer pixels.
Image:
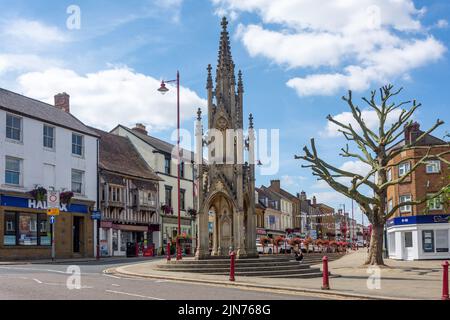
[
  {"x": 295, "y": 241},
  {"x": 66, "y": 197},
  {"x": 167, "y": 209},
  {"x": 192, "y": 212},
  {"x": 39, "y": 194}
]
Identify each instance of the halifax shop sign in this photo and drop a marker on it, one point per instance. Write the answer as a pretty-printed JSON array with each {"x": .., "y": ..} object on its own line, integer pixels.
[
  {"x": 16, "y": 202},
  {"x": 425, "y": 219}
]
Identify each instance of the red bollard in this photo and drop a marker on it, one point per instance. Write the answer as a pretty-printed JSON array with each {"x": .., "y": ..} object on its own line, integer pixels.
[
  {"x": 232, "y": 265},
  {"x": 326, "y": 280},
  {"x": 137, "y": 249},
  {"x": 445, "y": 295},
  {"x": 168, "y": 251}
]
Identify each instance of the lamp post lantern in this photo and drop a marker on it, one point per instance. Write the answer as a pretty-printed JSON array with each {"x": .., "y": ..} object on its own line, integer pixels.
[{"x": 163, "y": 90}]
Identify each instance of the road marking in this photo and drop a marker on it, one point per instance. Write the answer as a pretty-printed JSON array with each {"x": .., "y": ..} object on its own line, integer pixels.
[
  {"x": 38, "y": 281},
  {"x": 161, "y": 281},
  {"x": 133, "y": 295},
  {"x": 115, "y": 285}
]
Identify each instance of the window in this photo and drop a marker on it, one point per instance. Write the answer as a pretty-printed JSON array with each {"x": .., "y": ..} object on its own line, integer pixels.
[
  {"x": 49, "y": 137},
  {"x": 433, "y": 166},
  {"x": 182, "y": 169},
  {"x": 77, "y": 144},
  {"x": 12, "y": 171},
  {"x": 442, "y": 241},
  {"x": 435, "y": 204},
  {"x": 403, "y": 169},
  {"x": 183, "y": 200},
  {"x": 391, "y": 247},
  {"x": 10, "y": 233},
  {"x": 406, "y": 208},
  {"x": 167, "y": 161},
  {"x": 389, "y": 175},
  {"x": 408, "y": 240},
  {"x": 390, "y": 205},
  {"x": 168, "y": 194},
  {"x": 13, "y": 128},
  {"x": 26, "y": 229},
  {"x": 428, "y": 241},
  {"x": 77, "y": 181}
]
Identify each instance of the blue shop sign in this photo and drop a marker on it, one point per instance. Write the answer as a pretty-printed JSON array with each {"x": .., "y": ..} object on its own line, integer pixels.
[
  {"x": 425, "y": 219},
  {"x": 9, "y": 201}
]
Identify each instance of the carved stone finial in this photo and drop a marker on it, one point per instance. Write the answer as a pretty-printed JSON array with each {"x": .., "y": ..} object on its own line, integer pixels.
[
  {"x": 209, "y": 84},
  {"x": 240, "y": 82},
  {"x": 199, "y": 114},
  {"x": 224, "y": 23},
  {"x": 251, "y": 121}
]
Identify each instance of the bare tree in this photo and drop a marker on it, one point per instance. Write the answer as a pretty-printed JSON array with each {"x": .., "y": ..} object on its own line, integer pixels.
[{"x": 376, "y": 149}]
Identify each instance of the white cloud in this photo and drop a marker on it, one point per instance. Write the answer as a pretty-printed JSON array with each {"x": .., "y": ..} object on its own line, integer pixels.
[
  {"x": 442, "y": 24},
  {"x": 292, "y": 182},
  {"x": 25, "y": 62},
  {"x": 358, "y": 42},
  {"x": 109, "y": 97},
  {"x": 370, "y": 118},
  {"x": 357, "y": 167},
  {"x": 25, "y": 31}
]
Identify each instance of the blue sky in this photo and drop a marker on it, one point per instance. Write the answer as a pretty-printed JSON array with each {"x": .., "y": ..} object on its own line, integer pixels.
[{"x": 298, "y": 58}]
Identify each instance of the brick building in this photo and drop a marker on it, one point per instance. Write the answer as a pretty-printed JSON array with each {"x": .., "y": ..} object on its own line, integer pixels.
[{"x": 422, "y": 231}]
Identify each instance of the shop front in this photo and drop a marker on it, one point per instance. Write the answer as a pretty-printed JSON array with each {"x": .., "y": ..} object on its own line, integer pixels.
[
  {"x": 26, "y": 230},
  {"x": 115, "y": 238},
  {"x": 419, "y": 237},
  {"x": 170, "y": 231}
]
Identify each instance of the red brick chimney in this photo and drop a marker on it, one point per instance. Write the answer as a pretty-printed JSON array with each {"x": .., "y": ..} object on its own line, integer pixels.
[
  {"x": 412, "y": 132},
  {"x": 140, "y": 128},
  {"x": 62, "y": 101},
  {"x": 275, "y": 185}
]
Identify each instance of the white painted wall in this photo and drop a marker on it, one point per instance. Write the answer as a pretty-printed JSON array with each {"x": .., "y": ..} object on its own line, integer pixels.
[{"x": 37, "y": 160}]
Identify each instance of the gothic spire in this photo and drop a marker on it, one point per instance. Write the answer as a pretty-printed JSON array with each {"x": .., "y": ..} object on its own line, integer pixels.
[
  {"x": 225, "y": 59},
  {"x": 209, "y": 83},
  {"x": 240, "y": 82}
]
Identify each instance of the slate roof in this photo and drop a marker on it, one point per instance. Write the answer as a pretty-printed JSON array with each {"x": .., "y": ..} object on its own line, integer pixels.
[
  {"x": 161, "y": 145},
  {"x": 28, "y": 107},
  {"x": 117, "y": 154},
  {"x": 428, "y": 140}
]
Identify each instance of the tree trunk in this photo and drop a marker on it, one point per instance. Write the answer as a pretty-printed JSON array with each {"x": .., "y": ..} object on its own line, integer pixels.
[{"x": 375, "y": 257}]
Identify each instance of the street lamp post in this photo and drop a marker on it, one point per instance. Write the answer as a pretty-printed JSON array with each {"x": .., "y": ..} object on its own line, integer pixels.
[{"x": 163, "y": 90}]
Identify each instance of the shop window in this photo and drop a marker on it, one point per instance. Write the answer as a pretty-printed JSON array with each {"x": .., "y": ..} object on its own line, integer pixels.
[
  {"x": 391, "y": 247},
  {"x": 10, "y": 234},
  {"x": 168, "y": 195},
  {"x": 442, "y": 241},
  {"x": 26, "y": 229},
  {"x": 428, "y": 241},
  {"x": 408, "y": 240}
]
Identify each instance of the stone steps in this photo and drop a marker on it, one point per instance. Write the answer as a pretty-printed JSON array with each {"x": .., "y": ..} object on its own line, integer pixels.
[
  {"x": 226, "y": 269},
  {"x": 282, "y": 266}
]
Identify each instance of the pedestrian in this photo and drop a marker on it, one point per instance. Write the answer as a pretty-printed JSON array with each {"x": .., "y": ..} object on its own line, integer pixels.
[{"x": 299, "y": 257}]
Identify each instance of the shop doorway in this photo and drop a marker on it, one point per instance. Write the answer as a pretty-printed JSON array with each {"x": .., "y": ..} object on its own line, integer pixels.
[{"x": 77, "y": 228}]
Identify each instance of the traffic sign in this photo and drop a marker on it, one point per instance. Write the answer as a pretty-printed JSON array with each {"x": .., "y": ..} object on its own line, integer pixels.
[
  {"x": 96, "y": 215},
  {"x": 53, "y": 212},
  {"x": 52, "y": 219},
  {"x": 53, "y": 199}
]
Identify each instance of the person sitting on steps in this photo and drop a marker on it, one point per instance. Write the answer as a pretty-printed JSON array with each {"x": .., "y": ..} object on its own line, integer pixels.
[{"x": 299, "y": 257}]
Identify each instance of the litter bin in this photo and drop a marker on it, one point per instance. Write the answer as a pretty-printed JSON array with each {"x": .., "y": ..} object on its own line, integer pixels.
[{"x": 131, "y": 250}]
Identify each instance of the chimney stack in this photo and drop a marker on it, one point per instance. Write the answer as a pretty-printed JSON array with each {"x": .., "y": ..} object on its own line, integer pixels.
[
  {"x": 412, "y": 132},
  {"x": 275, "y": 185},
  {"x": 314, "y": 200},
  {"x": 140, "y": 128},
  {"x": 62, "y": 101}
]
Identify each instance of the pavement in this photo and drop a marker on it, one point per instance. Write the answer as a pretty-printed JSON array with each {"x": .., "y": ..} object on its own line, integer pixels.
[
  {"x": 42, "y": 280},
  {"x": 400, "y": 280}
]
